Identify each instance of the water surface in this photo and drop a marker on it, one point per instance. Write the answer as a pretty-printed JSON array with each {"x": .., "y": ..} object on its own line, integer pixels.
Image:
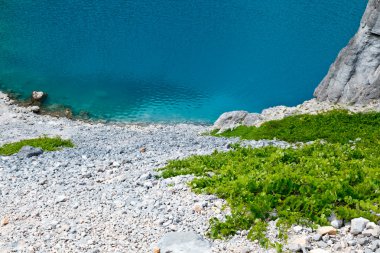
[{"x": 171, "y": 60}]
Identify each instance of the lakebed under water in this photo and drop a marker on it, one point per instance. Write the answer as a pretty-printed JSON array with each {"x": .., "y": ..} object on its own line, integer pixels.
[{"x": 171, "y": 60}]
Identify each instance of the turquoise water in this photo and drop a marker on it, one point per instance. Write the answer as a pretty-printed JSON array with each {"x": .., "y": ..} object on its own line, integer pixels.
[{"x": 171, "y": 60}]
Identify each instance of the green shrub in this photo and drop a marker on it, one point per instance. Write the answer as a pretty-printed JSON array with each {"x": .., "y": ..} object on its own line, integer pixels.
[
  {"x": 334, "y": 126},
  {"x": 303, "y": 185},
  {"x": 46, "y": 143}
]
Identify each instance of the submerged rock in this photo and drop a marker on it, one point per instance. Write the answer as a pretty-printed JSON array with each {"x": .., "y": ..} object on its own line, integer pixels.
[
  {"x": 38, "y": 96},
  {"x": 354, "y": 78}
]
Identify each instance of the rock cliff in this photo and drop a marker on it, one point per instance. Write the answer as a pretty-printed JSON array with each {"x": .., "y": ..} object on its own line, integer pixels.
[{"x": 354, "y": 78}]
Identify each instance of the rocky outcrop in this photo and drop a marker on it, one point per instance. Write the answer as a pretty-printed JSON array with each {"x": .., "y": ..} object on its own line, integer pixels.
[
  {"x": 354, "y": 78},
  {"x": 231, "y": 120}
]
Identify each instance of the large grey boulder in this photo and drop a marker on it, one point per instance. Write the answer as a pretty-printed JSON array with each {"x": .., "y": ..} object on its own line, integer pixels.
[
  {"x": 358, "y": 225},
  {"x": 354, "y": 78},
  {"x": 183, "y": 242},
  {"x": 28, "y": 151},
  {"x": 230, "y": 120}
]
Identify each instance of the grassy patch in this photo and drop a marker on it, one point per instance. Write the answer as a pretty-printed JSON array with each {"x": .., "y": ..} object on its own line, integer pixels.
[
  {"x": 334, "y": 126},
  {"x": 46, "y": 143},
  {"x": 304, "y": 185}
]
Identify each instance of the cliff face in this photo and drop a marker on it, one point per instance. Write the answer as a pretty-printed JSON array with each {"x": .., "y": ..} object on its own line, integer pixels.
[{"x": 354, "y": 78}]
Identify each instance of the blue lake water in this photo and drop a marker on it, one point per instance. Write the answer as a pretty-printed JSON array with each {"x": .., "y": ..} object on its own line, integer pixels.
[{"x": 171, "y": 60}]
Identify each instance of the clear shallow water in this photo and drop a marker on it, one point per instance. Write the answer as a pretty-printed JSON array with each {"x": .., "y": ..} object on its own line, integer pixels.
[{"x": 171, "y": 60}]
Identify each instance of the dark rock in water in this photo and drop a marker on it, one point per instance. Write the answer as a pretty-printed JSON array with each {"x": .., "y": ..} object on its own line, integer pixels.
[
  {"x": 181, "y": 242},
  {"x": 354, "y": 78},
  {"x": 28, "y": 151}
]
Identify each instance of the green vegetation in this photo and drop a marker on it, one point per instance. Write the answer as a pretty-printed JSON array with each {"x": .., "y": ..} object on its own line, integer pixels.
[
  {"x": 334, "y": 126},
  {"x": 303, "y": 185},
  {"x": 46, "y": 143}
]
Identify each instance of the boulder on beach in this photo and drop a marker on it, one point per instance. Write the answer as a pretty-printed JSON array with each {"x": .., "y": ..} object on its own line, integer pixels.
[
  {"x": 230, "y": 120},
  {"x": 179, "y": 242}
]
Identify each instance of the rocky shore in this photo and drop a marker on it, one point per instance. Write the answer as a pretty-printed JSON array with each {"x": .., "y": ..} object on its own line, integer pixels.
[
  {"x": 104, "y": 196},
  {"x": 231, "y": 120}
]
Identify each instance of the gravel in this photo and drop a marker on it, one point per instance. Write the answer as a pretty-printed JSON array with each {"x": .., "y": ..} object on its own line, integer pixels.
[{"x": 103, "y": 195}]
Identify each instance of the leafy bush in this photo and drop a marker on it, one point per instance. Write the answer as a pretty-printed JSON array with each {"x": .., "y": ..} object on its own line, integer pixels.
[
  {"x": 334, "y": 126},
  {"x": 303, "y": 185},
  {"x": 46, "y": 143}
]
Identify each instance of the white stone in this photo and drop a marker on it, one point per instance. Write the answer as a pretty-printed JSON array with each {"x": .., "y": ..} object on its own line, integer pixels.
[{"x": 358, "y": 225}]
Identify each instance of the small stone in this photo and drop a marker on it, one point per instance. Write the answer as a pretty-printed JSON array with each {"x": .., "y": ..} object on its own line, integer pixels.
[
  {"x": 61, "y": 198},
  {"x": 4, "y": 221},
  {"x": 351, "y": 243},
  {"x": 372, "y": 232},
  {"x": 326, "y": 230},
  {"x": 374, "y": 245},
  {"x": 358, "y": 225},
  {"x": 363, "y": 241},
  {"x": 148, "y": 185},
  {"x": 197, "y": 208},
  {"x": 318, "y": 251},
  {"x": 371, "y": 225},
  {"x": 325, "y": 238},
  {"x": 337, "y": 247},
  {"x": 298, "y": 243},
  {"x": 297, "y": 229},
  {"x": 321, "y": 244},
  {"x": 142, "y": 150},
  {"x": 337, "y": 223},
  {"x": 156, "y": 250},
  {"x": 35, "y": 109},
  {"x": 317, "y": 237}
]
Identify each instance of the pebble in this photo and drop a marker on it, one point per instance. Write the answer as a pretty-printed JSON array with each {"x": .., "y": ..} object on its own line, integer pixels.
[{"x": 326, "y": 230}]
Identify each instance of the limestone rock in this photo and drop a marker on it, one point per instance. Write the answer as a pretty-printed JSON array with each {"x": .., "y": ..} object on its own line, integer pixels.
[
  {"x": 38, "y": 96},
  {"x": 358, "y": 225},
  {"x": 230, "y": 120},
  {"x": 180, "y": 242},
  {"x": 28, "y": 151},
  {"x": 354, "y": 78},
  {"x": 252, "y": 119},
  {"x": 4, "y": 221},
  {"x": 337, "y": 223},
  {"x": 329, "y": 230},
  {"x": 298, "y": 243},
  {"x": 35, "y": 109}
]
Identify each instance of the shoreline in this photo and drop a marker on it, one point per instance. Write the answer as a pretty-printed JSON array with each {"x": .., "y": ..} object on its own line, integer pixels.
[
  {"x": 226, "y": 121},
  {"x": 25, "y": 106},
  {"x": 103, "y": 195}
]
